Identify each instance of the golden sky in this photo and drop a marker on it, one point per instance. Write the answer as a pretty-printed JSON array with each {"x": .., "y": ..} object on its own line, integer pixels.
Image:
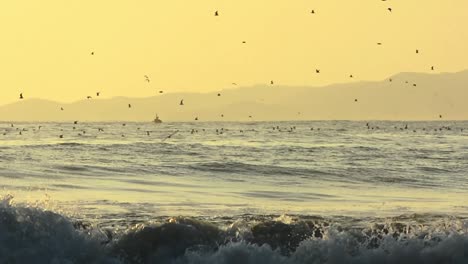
[{"x": 182, "y": 46}]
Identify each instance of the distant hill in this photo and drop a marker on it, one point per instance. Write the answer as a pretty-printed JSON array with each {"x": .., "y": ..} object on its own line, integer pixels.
[{"x": 443, "y": 94}]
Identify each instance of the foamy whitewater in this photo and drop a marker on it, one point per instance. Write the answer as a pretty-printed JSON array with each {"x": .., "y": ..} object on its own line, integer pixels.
[{"x": 257, "y": 192}]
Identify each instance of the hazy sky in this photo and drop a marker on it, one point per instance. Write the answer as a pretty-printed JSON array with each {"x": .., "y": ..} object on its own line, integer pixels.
[{"x": 182, "y": 46}]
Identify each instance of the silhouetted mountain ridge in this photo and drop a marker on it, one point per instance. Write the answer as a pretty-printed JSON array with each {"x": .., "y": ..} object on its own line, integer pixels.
[{"x": 408, "y": 96}]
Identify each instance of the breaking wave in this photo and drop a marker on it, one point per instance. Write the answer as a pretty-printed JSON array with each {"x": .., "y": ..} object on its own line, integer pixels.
[{"x": 35, "y": 235}]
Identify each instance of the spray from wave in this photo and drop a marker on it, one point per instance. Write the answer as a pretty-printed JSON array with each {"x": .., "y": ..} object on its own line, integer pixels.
[{"x": 37, "y": 235}]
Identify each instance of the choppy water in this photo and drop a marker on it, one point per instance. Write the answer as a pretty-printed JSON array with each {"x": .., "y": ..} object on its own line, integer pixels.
[{"x": 340, "y": 193}]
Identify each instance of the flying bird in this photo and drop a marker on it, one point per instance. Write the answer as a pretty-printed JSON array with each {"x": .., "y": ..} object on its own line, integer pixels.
[
  {"x": 379, "y": 43},
  {"x": 216, "y": 13},
  {"x": 147, "y": 78},
  {"x": 61, "y": 108},
  {"x": 432, "y": 68},
  {"x": 92, "y": 53},
  {"x": 181, "y": 102},
  {"x": 313, "y": 11},
  {"x": 170, "y": 136},
  {"x": 317, "y": 71},
  {"x": 440, "y": 116},
  {"x": 389, "y": 9},
  {"x": 161, "y": 91},
  {"x": 351, "y": 76},
  {"x": 21, "y": 96},
  {"x": 219, "y": 94},
  {"x": 98, "y": 93},
  {"x": 234, "y": 83},
  {"x": 417, "y": 51},
  {"x": 129, "y": 106},
  {"x": 271, "y": 82},
  {"x": 88, "y": 97},
  {"x": 355, "y": 100}
]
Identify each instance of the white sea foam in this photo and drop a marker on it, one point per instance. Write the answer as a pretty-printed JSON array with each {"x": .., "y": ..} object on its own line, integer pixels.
[{"x": 35, "y": 235}]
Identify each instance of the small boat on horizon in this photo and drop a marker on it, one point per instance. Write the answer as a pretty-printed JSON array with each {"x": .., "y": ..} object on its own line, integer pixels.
[{"x": 157, "y": 120}]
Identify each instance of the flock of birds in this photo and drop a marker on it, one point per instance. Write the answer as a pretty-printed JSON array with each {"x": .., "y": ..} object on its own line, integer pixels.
[
  {"x": 182, "y": 103},
  {"x": 81, "y": 131}
]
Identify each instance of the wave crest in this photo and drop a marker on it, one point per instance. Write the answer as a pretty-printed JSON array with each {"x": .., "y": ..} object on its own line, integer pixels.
[{"x": 34, "y": 235}]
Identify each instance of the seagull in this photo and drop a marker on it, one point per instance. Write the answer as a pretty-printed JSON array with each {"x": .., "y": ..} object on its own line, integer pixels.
[
  {"x": 98, "y": 93},
  {"x": 75, "y": 122},
  {"x": 271, "y": 82},
  {"x": 379, "y": 43},
  {"x": 61, "y": 108},
  {"x": 161, "y": 91},
  {"x": 181, "y": 102},
  {"x": 219, "y": 94},
  {"x": 414, "y": 85},
  {"x": 432, "y": 68},
  {"x": 317, "y": 71},
  {"x": 92, "y": 53},
  {"x": 216, "y": 13},
  {"x": 129, "y": 106},
  {"x": 147, "y": 78},
  {"x": 196, "y": 118},
  {"x": 417, "y": 51},
  {"x": 234, "y": 83},
  {"x": 21, "y": 96},
  {"x": 389, "y": 9},
  {"x": 390, "y": 80},
  {"x": 355, "y": 100},
  {"x": 170, "y": 136},
  {"x": 440, "y": 116},
  {"x": 88, "y": 97},
  {"x": 312, "y": 12},
  {"x": 351, "y": 76},
  {"x": 243, "y": 42}
]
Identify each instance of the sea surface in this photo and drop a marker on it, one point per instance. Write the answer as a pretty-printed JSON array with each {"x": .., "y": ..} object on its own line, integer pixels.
[{"x": 232, "y": 192}]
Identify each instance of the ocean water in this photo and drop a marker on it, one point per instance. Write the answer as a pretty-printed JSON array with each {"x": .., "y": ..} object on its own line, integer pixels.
[{"x": 254, "y": 192}]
